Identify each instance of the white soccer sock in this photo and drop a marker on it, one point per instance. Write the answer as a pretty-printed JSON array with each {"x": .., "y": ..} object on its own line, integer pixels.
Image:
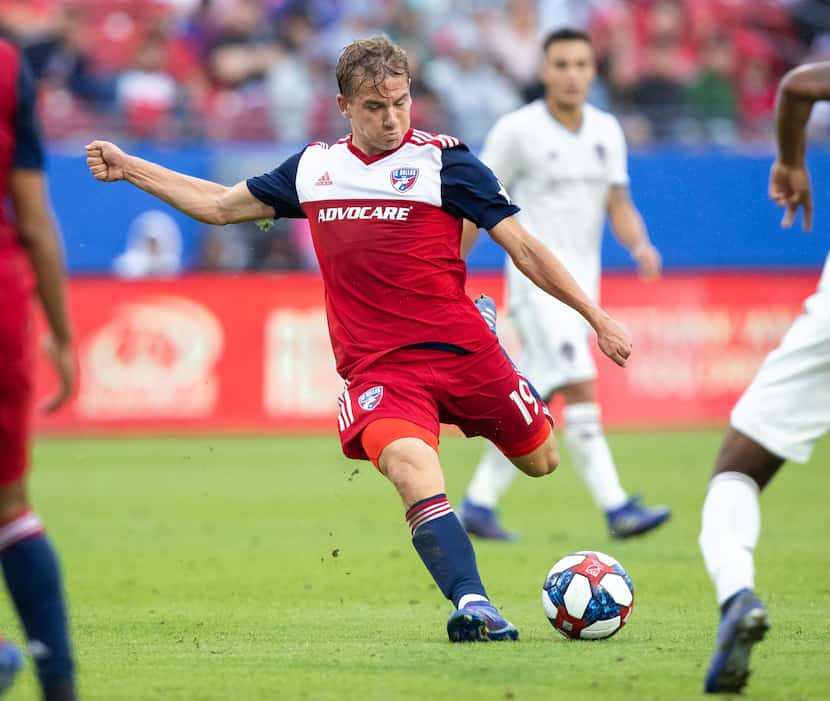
[
  {"x": 491, "y": 479},
  {"x": 470, "y": 598},
  {"x": 589, "y": 452},
  {"x": 731, "y": 524}
]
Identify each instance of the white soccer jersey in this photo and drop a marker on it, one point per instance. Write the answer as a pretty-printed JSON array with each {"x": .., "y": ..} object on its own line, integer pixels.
[{"x": 560, "y": 179}]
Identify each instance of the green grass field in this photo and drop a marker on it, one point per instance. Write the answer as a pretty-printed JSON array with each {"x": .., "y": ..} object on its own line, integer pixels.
[{"x": 276, "y": 569}]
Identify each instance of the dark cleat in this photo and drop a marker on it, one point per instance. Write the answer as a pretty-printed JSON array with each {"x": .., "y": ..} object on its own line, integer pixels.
[{"x": 742, "y": 625}]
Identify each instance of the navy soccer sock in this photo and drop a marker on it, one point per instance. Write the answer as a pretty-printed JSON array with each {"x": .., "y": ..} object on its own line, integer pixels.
[
  {"x": 445, "y": 548},
  {"x": 33, "y": 578}
]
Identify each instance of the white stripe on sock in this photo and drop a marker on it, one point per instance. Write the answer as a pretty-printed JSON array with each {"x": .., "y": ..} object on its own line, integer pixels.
[
  {"x": 469, "y": 598},
  {"x": 23, "y": 526}
]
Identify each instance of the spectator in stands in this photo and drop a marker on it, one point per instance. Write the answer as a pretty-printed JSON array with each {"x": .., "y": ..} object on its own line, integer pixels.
[
  {"x": 278, "y": 252},
  {"x": 756, "y": 88},
  {"x": 244, "y": 45},
  {"x": 147, "y": 95},
  {"x": 555, "y": 14},
  {"x": 154, "y": 247},
  {"x": 260, "y": 69},
  {"x": 512, "y": 38},
  {"x": 710, "y": 97},
  {"x": 659, "y": 92},
  {"x": 62, "y": 58},
  {"x": 487, "y": 94}
]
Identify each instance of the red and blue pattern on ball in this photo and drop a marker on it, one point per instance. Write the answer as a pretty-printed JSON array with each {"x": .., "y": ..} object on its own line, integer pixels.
[{"x": 601, "y": 606}]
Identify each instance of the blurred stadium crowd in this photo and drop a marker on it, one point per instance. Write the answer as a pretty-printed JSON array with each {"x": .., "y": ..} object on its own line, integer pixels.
[
  {"x": 695, "y": 73},
  {"x": 689, "y": 71}
]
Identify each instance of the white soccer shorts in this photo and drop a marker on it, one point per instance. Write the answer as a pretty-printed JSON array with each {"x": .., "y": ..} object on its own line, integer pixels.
[
  {"x": 555, "y": 345},
  {"x": 786, "y": 408}
]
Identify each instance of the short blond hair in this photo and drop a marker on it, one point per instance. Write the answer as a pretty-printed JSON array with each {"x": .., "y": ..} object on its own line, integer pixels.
[{"x": 375, "y": 59}]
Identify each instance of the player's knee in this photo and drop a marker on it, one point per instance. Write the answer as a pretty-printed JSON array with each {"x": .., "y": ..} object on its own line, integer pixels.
[
  {"x": 542, "y": 461},
  {"x": 550, "y": 458},
  {"x": 413, "y": 467},
  {"x": 740, "y": 453}
]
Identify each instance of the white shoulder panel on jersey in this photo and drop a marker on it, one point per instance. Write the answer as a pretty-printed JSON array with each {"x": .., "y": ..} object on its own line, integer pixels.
[
  {"x": 441, "y": 141},
  {"x": 412, "y": 173}
]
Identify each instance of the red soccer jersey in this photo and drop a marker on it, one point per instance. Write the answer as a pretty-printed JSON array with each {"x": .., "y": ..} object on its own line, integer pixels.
[
  {"x": 387, "y": 233},
  {"x": 20, "y": 147}
]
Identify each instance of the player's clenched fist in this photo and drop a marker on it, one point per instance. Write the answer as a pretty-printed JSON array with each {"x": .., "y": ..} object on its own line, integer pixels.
[
  {"x": 105, "y": 161},
  {"x": 613, "y": 340}
]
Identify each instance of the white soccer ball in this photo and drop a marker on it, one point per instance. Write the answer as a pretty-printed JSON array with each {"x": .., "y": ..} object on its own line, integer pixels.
[{"x": 587, "y": 596}]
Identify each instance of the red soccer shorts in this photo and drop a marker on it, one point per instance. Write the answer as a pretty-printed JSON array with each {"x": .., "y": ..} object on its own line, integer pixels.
[
  {"x": 15, "y": 384},
  {"x": 481, "y": 393},
  {"x": 381, "y": 432}
]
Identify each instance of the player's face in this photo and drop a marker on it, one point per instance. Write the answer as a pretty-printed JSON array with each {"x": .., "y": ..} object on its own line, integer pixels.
[
  {"x": 568, "y": 71},
  {"x": 379, "y": 115}
]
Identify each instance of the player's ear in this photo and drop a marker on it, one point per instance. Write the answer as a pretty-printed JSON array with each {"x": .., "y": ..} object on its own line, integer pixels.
[{"x": 343, "y": 106}]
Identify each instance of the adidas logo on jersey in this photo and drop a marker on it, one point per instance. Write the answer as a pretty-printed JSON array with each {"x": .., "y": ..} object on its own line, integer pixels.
[
  {"x": 382, "y": 213},
  {"x": 324, "y": 179}
]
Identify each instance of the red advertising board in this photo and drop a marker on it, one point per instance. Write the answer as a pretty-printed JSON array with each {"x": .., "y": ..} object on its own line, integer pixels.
[{"x": 251, "y": 353}]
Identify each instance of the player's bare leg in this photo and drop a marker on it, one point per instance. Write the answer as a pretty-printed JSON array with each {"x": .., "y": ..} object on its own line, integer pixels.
[
  {"x": 731, "y": 525},
  {"x": 413, "y": 467},
  {"x": 739, "y": 453},
  {"x": 32, "y": 576},
  {"x": 585, "y": 440},
  {"x": 540, "y": 462}
]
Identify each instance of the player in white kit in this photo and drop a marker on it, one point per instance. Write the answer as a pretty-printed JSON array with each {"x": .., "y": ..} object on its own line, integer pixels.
[
  {"x": 564, "y": 162},
  {"x": 779, "y": 417}
]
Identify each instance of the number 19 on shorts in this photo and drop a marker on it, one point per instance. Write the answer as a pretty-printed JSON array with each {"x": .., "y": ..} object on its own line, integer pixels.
[{"x": 523, "y": 398}]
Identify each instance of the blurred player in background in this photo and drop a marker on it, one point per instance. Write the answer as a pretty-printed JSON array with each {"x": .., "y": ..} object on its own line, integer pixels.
[
  {"x": 386, "y": 206},
  {"x": 28, "y": 242},
  {"x": 564, "y": 161},
  {"x": 779, "y": 417}
]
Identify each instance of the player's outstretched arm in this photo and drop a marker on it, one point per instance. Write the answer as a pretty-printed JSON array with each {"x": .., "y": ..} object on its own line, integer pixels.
[
  {"x": 789, "y": 181},
  {"x": 203, "y": 200},
  {"x": 40, "y": 240},
  {"x": 545, "y": 270}
]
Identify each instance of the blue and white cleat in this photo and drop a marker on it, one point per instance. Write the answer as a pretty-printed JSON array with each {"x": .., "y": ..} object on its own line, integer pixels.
[
  {"x": 479, "y": 621},
  {"x": 483, "y": 522},
  {"x": 743, "y": 624},
  {"x": 11, "y": 662},
  {"x": 487, "y": 309},
  {"x": 632, "y": 518}
]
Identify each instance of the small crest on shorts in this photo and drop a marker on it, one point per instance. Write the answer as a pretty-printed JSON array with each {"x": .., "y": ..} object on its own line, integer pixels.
[
  {"x": 403, "y": 179},
  {"x": 370, "y": 398}
]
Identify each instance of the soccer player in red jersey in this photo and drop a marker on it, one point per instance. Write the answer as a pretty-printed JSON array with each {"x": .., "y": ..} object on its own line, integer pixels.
[
  {"x": 386, "y": 206},
  {"x": 28, "y": 243}
]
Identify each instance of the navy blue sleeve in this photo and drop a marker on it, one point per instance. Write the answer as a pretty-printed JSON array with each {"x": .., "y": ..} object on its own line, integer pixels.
[
  {"x": 28, "y": 148},
  {"x": 279, "y": 188},
  {"x": 470, "y": 190}
]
